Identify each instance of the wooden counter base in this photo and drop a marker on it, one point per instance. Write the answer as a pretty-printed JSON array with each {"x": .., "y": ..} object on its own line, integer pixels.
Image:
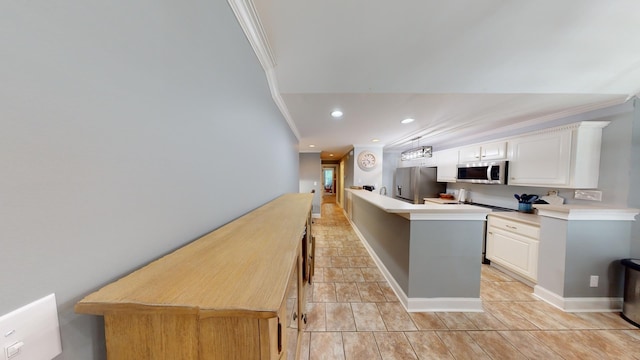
[{"x": 236, "y": 293}]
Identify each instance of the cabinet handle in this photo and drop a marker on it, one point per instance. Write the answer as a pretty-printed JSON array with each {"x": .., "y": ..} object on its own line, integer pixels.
[
  {"x": 295, "y": 315},
  {"x": 511, "y": 227},
  {"x": 279, "y": 337},
  {"x": 304, "y": 318}
]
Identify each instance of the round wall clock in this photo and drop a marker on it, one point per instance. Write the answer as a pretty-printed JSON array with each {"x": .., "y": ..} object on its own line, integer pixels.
[{"x": 367, "y": 160}]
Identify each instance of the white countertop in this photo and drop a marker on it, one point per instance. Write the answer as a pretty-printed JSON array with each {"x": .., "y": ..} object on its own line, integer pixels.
[
  {"x": 442, "y": 201},
  {"x": 430, "y": 211},
  {"x": 531, "y": 219},
  {"x": 586, "y": 212}
]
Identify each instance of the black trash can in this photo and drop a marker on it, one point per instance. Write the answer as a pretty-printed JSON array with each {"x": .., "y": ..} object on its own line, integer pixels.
[{"x": 631, "y": 305}]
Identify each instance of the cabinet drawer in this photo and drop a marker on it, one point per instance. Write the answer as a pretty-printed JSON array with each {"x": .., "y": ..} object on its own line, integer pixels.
[{"x": 517, "y": 227}]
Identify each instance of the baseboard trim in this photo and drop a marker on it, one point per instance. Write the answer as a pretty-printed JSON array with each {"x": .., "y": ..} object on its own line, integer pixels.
[
  {"x": 420, "y": 304},
  {"x": 445, "y": 305},
  {"x": 578, "y": 304},
  {"x": 404, "y": 300}
]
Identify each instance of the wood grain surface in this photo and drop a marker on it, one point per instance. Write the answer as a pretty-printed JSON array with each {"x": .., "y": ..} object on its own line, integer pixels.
[{"x": 242, "y": 268}]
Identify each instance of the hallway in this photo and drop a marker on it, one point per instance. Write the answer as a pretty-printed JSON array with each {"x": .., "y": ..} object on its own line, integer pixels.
[{"x": 354, "y": 314}]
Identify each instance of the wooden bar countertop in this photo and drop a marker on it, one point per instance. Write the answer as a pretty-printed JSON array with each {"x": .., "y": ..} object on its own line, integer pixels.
[{"x": 242, "y": 267}]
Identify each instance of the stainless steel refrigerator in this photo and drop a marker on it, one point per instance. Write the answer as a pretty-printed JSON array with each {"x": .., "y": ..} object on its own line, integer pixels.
[{"x": 413, "y": 184}]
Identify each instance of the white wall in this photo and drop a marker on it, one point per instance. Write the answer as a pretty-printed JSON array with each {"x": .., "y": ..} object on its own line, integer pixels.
[
  {"x": 367, "y": 177},
  {"x": 310, "y": 175},
  {"x": 634, "y": 179},
  {"x": 127, "y": 129},
  {"x": 349, "y": 164},
  {"x": 389, "y": 165}
]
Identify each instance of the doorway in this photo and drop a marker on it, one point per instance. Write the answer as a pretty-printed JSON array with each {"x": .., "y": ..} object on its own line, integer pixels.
[{"x": 329, "y": 180}]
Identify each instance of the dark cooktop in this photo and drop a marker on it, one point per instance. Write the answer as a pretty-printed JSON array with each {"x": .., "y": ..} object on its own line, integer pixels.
[{"x": 492, "y": 207}]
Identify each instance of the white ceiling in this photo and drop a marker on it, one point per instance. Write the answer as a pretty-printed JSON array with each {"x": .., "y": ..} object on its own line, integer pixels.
[{"x": 460, "y": 68}]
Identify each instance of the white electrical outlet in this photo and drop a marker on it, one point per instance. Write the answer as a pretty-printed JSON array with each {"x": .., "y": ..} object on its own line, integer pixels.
[
  {"x": 593, "y": 195},
  {"x": 31, "y": 332},
  {"x": 593, "y": 281}
]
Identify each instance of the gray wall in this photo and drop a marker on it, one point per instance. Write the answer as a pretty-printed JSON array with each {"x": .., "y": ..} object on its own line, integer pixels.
[
  {"x": 127, "y": 129},
  {"x": 310, "y": 173},
  {"x": 595, "y": 248},
  {"x": 571, "y": 251},
  {"x": 417, "y": 253},
  {"x": 552, "y": 254},
  {"x": 445, "y": 258},
  {"x": 389, "y": 235}
]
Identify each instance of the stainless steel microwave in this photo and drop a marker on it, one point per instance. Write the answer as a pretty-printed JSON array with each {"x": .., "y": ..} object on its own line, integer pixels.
[{"x": 494, "y": 172}]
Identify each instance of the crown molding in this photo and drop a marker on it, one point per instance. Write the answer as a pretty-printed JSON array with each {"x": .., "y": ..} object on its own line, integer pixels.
[
  {"x": 584, "y": 111},
  {"x": 247, "y": 16}
]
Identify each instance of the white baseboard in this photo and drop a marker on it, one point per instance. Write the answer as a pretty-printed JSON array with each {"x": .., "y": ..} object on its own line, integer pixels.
[
  {"x": 420, "y": 304},
  {"x": 581, "y": 304},
  {"x": 586, "y": 304},
  {"x": 387, "y": 275},
  {"x": 445, "y": 305}
]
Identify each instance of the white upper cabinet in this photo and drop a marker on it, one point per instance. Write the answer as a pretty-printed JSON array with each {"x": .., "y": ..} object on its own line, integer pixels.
[
  {"x": 483, "y": 152},
  {"x": 494, "y": 151},
  {"x": 447, "y": 161},
  {"x": 566, "y": 156},
  {"x": 469, "y": 154}
]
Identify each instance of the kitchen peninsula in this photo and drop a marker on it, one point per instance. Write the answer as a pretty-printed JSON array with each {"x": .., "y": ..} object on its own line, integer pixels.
[
  {"x": 429, "y": 253},
  {"x": 578, "y": 243}
]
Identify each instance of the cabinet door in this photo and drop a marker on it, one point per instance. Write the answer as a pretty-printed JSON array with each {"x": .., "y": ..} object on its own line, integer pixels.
[
  {"x": 290, "y": 333},
  {"x": 515, "y": 252},
  {"x": 494, "y": 151},
  {"x": 447, "y": 165},
  {"x": 469, "y": 154},
  {"x": 540, "y": 160}
]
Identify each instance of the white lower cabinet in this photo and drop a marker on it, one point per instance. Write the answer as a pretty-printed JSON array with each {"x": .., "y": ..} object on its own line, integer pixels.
[{"x": 513, "y": 245}]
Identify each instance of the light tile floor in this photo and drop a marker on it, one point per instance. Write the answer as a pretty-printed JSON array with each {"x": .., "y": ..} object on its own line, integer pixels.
[{"x": 354, "y": 314}]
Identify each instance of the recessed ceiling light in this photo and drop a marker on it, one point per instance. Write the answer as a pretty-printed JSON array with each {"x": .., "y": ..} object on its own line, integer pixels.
[
  {"x": 330, "y": 154},
  {"x": 375, "y": 140},
  {"x": 312, "y": 145},
  {"x": 407, "y": 120},
  {"x": 336, "y": 114}
]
